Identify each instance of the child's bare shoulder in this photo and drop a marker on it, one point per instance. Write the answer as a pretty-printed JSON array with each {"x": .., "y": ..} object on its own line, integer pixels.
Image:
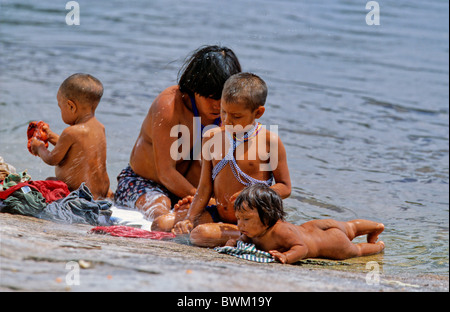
[
  {"x": 97, "y": 124},
  {"x": 78, "y": 131},
  {"x": 270, "y": 136},
  {"x": 273, "y": 142},
  {"x": 72, "y": 131},
  {"x": 285, "y": 229}
]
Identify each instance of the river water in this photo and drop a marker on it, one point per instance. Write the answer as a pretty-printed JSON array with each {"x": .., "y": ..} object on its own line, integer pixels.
[{"x": 362, "y": 109}]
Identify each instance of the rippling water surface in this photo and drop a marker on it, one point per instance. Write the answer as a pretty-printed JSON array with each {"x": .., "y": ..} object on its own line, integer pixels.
[{"x": 362, "y": 110}]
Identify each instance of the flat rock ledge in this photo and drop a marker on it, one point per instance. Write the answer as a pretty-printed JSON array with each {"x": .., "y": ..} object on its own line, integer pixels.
[{"x": 38, "y": 255}]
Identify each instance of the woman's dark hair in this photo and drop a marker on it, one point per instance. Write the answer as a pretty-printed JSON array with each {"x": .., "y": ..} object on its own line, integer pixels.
[
  {"x": 265, "y": 200},
  {"x": 206, "y": 71}
]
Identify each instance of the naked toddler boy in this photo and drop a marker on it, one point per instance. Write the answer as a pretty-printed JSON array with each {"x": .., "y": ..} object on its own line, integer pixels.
[
  {"x": 80, "y": 151},
  {"x": 259, "y": 211}
]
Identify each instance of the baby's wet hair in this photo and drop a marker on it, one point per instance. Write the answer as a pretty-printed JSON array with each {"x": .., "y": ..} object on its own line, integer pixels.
[
  {"x": 206, "y": 71},
  {"x": 247, "y": 89},
  {"x": 265, "y": 200},
  {"x": 83, "y": 88}
]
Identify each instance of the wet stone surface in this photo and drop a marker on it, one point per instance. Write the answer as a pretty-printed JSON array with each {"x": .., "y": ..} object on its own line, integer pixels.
[{"x": 38, "y": 255}]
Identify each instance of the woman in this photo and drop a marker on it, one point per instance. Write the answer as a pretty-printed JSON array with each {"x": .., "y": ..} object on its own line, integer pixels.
[{"x": 156, "y": 177}]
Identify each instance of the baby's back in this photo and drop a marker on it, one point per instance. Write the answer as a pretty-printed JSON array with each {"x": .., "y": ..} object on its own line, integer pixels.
[{"x": 86, "y": 159}]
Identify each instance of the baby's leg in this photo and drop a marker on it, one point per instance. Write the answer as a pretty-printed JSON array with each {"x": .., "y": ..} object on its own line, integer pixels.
[
  {"x": 365, "y": 227},
  {"x": 166, "y": 222},
  {"x": 336, "y": 245},
  {"x": 337, "y": 242},
  {"x": 365, "y": 249},
  {"x": 214, "y": 234},
  {"x": 153, "y": 206}
]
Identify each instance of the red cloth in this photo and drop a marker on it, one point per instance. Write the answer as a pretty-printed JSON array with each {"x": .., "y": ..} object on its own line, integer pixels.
[
  {"x": 51, "y": 189},
  {"x": 128, "y": 231},
  {"x": 35, "y": 131},
  {"x": 12, "y": 189}
]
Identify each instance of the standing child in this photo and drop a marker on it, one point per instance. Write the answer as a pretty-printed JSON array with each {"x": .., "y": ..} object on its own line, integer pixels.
[
  {"x": 246, "y": 155},
  {"x": 80, "y": 151},
  {"x": 259, "y": 213}
]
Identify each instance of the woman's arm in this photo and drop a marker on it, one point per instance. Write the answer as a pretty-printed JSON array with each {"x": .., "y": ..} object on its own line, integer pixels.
[{"x": 165, "y": 147}]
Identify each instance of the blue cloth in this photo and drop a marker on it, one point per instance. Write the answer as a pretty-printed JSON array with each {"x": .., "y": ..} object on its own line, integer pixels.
[
  {"x": 78, "y": 207},
  {"x": 212, "y": 209}
]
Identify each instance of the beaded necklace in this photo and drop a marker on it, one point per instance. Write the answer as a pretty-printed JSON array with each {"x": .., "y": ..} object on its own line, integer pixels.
[
  {"x": 249, "y": 134},
  {"x": 241, "y": 176}
]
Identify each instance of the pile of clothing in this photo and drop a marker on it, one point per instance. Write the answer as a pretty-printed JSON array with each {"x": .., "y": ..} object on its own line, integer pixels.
[
  {"x": 5, "y": 169},
  {"x": 50, "y": 200}
]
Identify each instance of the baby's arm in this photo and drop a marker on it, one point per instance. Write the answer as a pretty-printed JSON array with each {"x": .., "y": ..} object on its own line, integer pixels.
[
  {"x": 53, "y": 158},
  {"x": 296, "y": 253},
  {"x": 287, "y": 237},
  {"x": 52, "y": 136}
]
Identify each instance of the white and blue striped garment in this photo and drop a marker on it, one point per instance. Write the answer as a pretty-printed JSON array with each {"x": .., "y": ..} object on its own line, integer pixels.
[{"x": 247, "y": 252}]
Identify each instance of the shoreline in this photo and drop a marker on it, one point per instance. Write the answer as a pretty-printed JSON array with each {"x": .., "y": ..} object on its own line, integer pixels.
[{"x": 39, "y": 255}]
